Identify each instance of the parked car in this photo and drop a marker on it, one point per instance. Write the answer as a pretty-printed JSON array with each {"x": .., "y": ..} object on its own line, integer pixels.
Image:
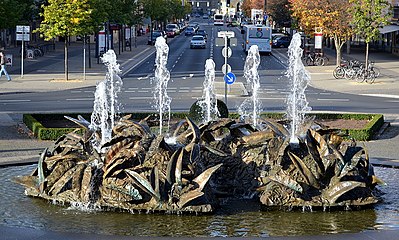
[
  {"x": 205, "y": 16},
  {"x": 203, "y": 33},
  {"x": 155, "y": 35},
  {"x": 198, "y": 41},
  {"x": 189, "y": 31},
  {"x": 282, "y": 41}
]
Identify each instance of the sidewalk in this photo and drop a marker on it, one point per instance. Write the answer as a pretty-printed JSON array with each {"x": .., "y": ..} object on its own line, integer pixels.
[
  {"x": 47, "y": 73},
  {"x": 386, "y": 85}
]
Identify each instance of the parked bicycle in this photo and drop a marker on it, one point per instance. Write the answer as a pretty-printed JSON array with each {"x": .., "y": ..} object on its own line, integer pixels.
[
  {"x": 36, "y": 51},
  {"x": 315, "y": 59},
  {"x": 366, "y": 75},
  {"x": 353, "y": 69}
]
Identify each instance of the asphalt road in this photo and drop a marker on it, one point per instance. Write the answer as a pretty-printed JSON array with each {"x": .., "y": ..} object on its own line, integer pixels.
[{"x": 186, "y": 84}]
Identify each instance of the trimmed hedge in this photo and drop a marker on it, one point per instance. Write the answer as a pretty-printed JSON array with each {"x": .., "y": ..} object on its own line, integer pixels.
[{"x": 376, "y": 121}]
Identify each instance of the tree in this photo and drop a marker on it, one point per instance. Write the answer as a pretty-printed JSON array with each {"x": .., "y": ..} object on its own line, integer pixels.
[
  {"x": 279, "y": 12},
  {"x": 13, "y": 12},
  {"x": 247, "y": 5},
  {"x": 332, "y": 16},
  {"x": 65, "y": 18},
  {"x": 368, "y": 17}
]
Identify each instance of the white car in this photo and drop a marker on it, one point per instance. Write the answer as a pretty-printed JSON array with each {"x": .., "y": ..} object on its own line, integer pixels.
[{"x": 198, "y": 41}]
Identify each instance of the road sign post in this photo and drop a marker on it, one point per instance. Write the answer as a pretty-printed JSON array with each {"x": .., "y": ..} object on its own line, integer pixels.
[
  {"x": 22, "y": 35},
  {"x": 226, "y": 52}
]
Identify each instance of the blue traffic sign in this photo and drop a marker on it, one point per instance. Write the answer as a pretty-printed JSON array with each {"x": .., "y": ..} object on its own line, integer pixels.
[{"x": 230, "y": 78}]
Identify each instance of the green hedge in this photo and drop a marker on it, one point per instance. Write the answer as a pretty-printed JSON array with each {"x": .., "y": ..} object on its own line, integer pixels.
[
  {"x": 32, "y": 121},
  {"x": 43, "y": 133}
]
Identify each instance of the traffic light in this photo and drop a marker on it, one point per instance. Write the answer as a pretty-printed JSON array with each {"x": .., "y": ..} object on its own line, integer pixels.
[{"x": 228, "y": 3}]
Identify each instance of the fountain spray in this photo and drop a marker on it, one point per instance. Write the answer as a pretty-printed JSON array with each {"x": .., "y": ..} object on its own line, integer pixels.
[
  {"x": 299, "y": 77},
  {"x": 106, "y": 106},
  {"x": 162, "y": 77},
  {"x": 251, "y": 75},
  {"x": 209, "y": 102}
]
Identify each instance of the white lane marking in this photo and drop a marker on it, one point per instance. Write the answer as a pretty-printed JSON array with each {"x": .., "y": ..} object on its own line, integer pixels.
[
  {"x": 322, "y": 93},
  {"x": 14, "y": 100},
  {"x": 143, "y": 78},
  {"x": 140, "y": 98},
  {"x": 184, "y": 91},
  {"x": 142, "y": 91},
  {"x": 79, "y": 99},
  {"x": 130, "y": 91},
  {"x": 382, "y": 95},
  {"x": 277, "y": 98},
  {"x": 184, "y": 87},
  {"x": 197, "y": 91},
  {"x": 334, "y": 99},
  {"x": 133, "y": 88},
  {"x": 89, "y": 91}
]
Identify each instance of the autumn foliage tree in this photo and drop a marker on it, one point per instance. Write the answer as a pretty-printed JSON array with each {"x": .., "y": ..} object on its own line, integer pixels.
[
  {"x": 247, "y": 5},
  {"x": 332, "y": 16}
]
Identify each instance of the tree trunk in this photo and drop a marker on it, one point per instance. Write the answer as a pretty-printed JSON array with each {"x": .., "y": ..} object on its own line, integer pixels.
[
  {"x": 66, "y": 57},
  {"x": 367, "y": 55},
  {"x": 338, "y": 47}
]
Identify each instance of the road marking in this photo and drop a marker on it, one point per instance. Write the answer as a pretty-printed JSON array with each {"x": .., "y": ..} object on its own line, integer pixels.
[
  {"x": 143, "y": 78},
  {"x": 382, "y": 95},
  {"x": 322, "y": 93},
  {"x": 79, "y": 99},
  {"x": 140, "y": 98},
  {"x": 334, "y": 99},
  {"x": 14, "y": 100},
  {"x": 130, "y": 91},
  {"x": 142, "y": 91},
  {"x": 133, "y": 88},
  {"x": 184, "y": 91},
  {"x": 140, "y": 62},
  {"x": 276, "y": 98},
  {"x": 196, "y": 91},
  {"x": 78, "y": 91}
]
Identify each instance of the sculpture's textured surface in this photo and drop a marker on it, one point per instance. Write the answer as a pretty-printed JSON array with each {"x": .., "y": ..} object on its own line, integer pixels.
[{"x": 138, "y": 170}]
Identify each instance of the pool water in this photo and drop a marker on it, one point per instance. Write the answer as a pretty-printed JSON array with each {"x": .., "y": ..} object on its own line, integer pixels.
[{"x": 235, "y": 218}]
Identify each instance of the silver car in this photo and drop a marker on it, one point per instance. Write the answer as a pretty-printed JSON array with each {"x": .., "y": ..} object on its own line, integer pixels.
[{"x": 198, "y": 41}]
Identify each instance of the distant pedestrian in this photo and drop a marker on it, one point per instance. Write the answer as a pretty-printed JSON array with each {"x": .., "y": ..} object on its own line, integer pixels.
[{"x": 3, "y": 61}]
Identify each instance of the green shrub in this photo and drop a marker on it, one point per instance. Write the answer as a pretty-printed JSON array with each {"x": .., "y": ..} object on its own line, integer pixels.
[
  {"x": 196, "y": 111},
  {"x": 32, "y": 121}
]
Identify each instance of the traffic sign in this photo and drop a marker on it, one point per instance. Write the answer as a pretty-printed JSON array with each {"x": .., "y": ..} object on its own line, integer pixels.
[
  {"x": 230, "y": 78},
  {"x": 228, "y": 34},
  {"x": 24, "y": 37},
  {"x": 23, "y": 29},
  {"x": 224, "y": 68},
  {"x": 227, "y": 51}
]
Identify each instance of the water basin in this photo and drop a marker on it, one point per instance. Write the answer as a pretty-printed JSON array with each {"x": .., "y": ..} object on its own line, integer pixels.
[{"x": 236, "y": 218}]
